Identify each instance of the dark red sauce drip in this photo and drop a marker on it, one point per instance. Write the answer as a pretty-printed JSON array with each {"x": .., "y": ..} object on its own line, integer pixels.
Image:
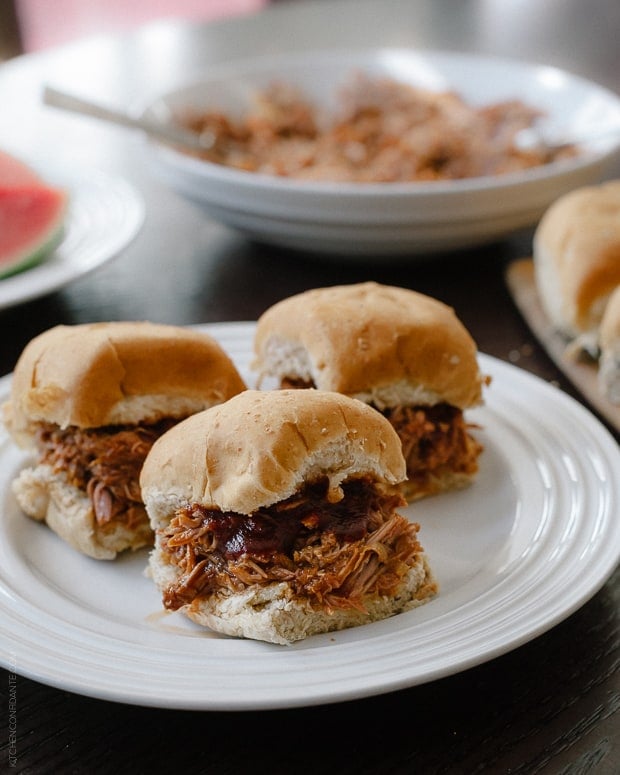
[{"x": 279, "y": 528}]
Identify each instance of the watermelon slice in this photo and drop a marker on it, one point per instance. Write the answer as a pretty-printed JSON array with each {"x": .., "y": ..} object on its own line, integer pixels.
[
  {"x": 32, "y": 216},
  {"x": 14, "y": 173}
]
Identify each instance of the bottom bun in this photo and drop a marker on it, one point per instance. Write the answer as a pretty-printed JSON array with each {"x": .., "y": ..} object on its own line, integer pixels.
[
  {"x": 441, "y": 480},
  {"x": 269, "y": 612},
  {"x": 48, "y": 497}
]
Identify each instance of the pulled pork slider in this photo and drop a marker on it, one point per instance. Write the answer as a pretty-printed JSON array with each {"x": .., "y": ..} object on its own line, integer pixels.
[
  {"x": 90, "y": 400},
  {"x": 274, "y": 517},
  {"x": 576, "y": 254},
  {"x": 403, "y": 353}
]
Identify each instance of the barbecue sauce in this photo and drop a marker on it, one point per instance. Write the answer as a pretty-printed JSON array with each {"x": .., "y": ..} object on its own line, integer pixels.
[{"x": 279, "y": 528}]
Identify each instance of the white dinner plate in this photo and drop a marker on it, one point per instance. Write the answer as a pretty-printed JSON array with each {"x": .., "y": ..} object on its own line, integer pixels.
[
  {"x": 105, "y": 213},
  {"x": 370, "y": 219},
  {"x": 527, "y": 544}
]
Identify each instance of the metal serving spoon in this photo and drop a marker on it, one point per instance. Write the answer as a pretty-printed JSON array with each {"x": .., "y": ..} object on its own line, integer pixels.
[
  {"x": 534, "y": 139},
  {"x": 166, "y": 133},
  {"x": 525, "y": 139}
]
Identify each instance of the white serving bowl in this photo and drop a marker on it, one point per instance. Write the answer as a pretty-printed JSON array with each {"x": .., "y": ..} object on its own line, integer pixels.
[{"x": 369, "y": 219}]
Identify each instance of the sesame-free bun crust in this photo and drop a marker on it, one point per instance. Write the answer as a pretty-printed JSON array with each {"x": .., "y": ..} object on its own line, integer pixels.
[
  {"x": 576, "y": 253},
  {"x": 381, "y": 344},
  {"x": 260, "y": 447},
  {"x": 112, "y": 373}
]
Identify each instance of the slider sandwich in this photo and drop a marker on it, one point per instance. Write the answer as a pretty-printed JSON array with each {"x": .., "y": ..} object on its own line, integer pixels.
[
  {"x": 275, "y": 518},
  {"x": 89, "y": 401},
  {"x": 576, "y": 255},
  {"x": 405, "y": 354}
]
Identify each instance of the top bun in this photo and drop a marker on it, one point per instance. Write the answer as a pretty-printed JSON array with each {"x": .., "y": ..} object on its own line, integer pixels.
[
  {"x": 576, "y": 253},
  {"x": 101, "y": 374},
  {"x": 381, "y": 344},
  {"x": 260, "y": 447}
]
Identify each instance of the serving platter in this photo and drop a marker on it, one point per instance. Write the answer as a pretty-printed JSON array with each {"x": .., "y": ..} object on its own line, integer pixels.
[{"x": 526, "y": 545}]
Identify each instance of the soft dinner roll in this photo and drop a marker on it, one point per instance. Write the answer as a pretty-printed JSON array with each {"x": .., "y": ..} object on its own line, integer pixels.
[{"x": 576, "y": 254}]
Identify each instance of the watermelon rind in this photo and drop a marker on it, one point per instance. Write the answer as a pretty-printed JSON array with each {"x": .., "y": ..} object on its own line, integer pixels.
[
  {"x": 33, "y": 250},
  {"x": 34, "y": 254}
]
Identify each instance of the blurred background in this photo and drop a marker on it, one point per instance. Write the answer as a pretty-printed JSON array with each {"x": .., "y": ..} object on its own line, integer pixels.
[{"x": 34, "y": 25}]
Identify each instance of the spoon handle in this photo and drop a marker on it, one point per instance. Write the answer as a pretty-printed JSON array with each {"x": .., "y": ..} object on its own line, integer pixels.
[
  {"x": 533, "y": 138},
  {"x": 163, "y": 132}
]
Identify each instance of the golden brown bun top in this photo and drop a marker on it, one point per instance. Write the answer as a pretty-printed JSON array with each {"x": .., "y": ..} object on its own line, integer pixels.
[
  {"x": 577, "y": 256},
  {"x": 100, "y": 374},
  {"x": 260, "y": 447},
  {"x": 382, "y": 344}
]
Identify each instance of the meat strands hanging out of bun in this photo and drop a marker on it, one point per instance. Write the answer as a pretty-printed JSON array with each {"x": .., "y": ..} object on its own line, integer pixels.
[
  {"x": 576, "y": 254},
  {"x": 89, "y": 401},
  {"x": 402, "y": 352},
  {"x": 275, "y": 517}
]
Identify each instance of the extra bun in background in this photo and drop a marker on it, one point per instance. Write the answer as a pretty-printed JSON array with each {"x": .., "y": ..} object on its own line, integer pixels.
[
  {"x": 609, "y": 346},
  {"x": 275, "y": 517},
  {"x": 576, "y": 253},
  {"x": 402, "y": 352},
  {"x": 89, "y": 400}
]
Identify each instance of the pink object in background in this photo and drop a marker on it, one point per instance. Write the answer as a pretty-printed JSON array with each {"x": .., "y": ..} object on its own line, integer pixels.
[{"x": 44, "y": 24}]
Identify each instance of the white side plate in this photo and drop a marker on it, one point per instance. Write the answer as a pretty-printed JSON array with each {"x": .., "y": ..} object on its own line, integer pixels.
[{"x": 105, "y": 213}]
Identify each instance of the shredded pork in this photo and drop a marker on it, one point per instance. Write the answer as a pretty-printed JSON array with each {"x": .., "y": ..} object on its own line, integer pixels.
[
  {"x": 105, "y": 463},
  {"x": 330, "y": 553},
  {"x": 381, "y": 131},
  {"x": 434, "y": 438}
]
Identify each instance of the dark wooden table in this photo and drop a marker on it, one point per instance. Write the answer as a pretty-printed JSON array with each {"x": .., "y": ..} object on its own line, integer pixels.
[{"x": 550, "y": 706}]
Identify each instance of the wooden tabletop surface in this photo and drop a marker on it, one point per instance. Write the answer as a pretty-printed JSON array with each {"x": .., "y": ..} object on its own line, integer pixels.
[{"x": 548, "y": 706}]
